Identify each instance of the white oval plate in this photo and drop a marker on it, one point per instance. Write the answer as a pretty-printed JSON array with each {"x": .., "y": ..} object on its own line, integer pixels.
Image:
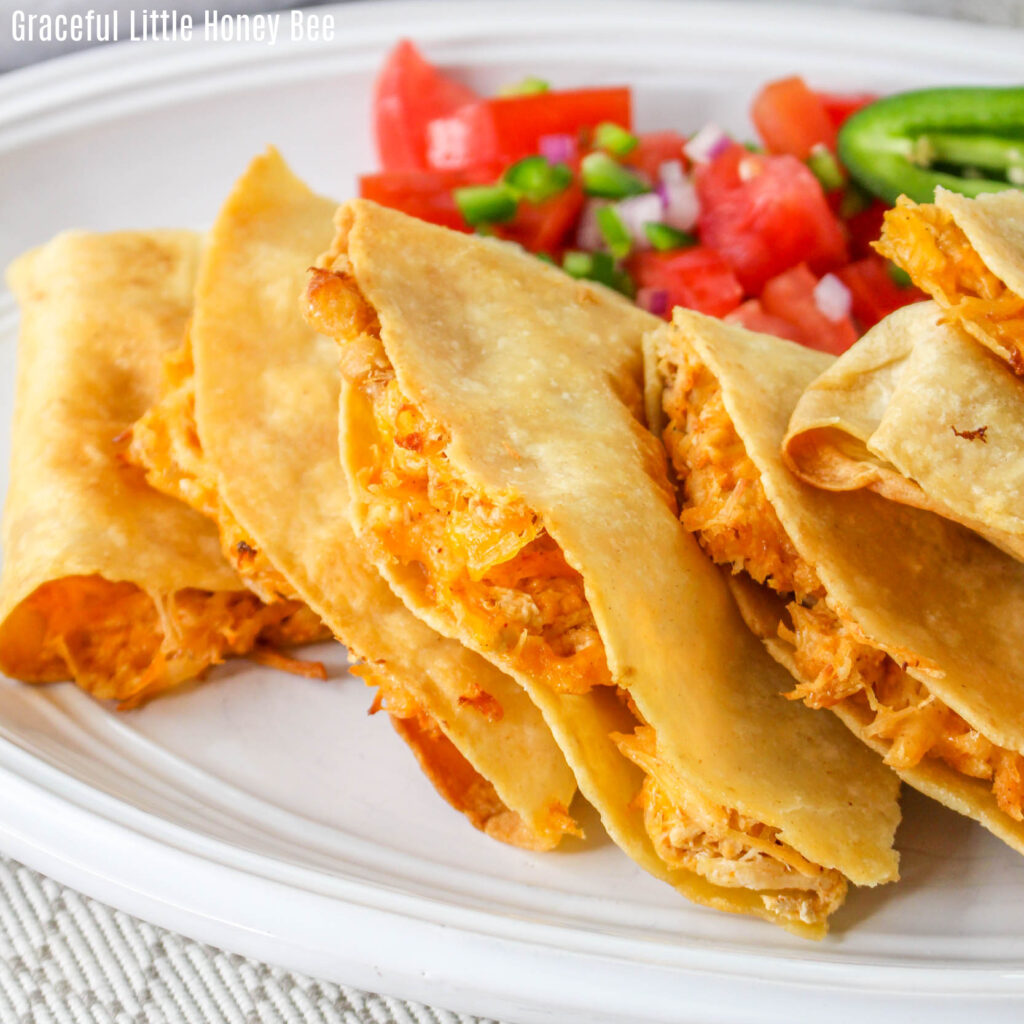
[{"x": 269, "y": 815}]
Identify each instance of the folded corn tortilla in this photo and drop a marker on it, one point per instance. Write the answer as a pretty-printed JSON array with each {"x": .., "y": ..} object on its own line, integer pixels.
[
  {"x": 248, "y": 433},
  {"x": 105, "y": 581},
  {"x": 902, "y": 622},
  {"x": 920, "y": 413},
  {"x": 504, "y": 484},
  {"x": 968, "y": 255}
]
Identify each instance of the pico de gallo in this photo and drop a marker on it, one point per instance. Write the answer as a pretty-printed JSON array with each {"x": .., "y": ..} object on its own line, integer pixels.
[{"x": 773, "y": 235}]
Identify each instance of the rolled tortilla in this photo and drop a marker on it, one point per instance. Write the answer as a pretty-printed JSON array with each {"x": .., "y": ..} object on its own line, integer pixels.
[
  {"x": 902, "y": 622},
  {"x": 968, "y": 255},
  {"x": 105, "y": 580},
  {"x": 248, "y": 433},
  {"x": 503, "y": 482},
  {"x": 920, "y": 413}
]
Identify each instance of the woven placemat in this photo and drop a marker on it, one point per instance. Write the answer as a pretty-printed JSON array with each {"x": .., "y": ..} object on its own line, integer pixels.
[{"x": 67, "y": 959}]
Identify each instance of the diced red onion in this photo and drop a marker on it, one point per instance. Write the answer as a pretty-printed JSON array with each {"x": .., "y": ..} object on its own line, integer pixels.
[
  {"x": 832, "y": 297},
  {"x": 708, "y": 143},
  {"x": 671, "y": 172},
  {"x": 680, "y": 204},
  {"x": 654, "y": 300},
  {"x": 588, "y": 233},
  {"x": 637, "y": 211},
  {"x": 558, "y": 149}
]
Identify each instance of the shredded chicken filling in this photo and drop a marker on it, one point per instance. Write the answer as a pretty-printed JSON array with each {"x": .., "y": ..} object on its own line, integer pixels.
[
  {"x": 486, "y": 558},
  {"x": 726, "y": 506},
  {"x": 165, "y": 445},
  {"x": 925, "y": 241},
  {"x": 725, "y": 847},
  {"x": 120, "y": 643}
]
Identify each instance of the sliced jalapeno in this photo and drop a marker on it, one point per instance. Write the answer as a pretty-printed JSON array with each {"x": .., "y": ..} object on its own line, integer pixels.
[{"x": 969, "y": 140}]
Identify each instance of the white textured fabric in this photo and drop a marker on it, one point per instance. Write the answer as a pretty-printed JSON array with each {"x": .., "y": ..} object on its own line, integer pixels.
[{"x": 66, "y": 959}]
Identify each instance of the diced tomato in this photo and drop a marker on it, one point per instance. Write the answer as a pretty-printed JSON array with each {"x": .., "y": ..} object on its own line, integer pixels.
[
  {"x": 840, "y": 105},
  {"x": 791, "y": 297},
  {"x": 752, "y": 315},
  {"x": 543, "y": 227},
  {"x": 866, "y": 227},
  {"x": 875, "y": 294},
  {"x": 654, "y": 149},
  {"x": 423, "y": 194},
  {"x": 792, "y": 119},
  {"x": 765, "y": 214},
  {"x": 696, "y": 278},
  {"x": 409, "y": 93},
  {"x": 499, "y": 131}
]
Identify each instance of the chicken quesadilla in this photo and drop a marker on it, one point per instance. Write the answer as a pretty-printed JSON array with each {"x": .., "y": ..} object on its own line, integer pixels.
[
  {"x": 897, "y": 619},
  {"x": 503, "y": 481},
  {"x": 105, "y": 581}
]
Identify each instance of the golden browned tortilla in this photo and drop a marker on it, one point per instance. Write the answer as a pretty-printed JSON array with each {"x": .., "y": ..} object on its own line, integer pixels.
[
  {"x": 105, "y": 581},
  {"x": 504, "y": 483},
  {"x": 920, "y": 413},
  {"x": 247, "y": 432},
  {"x": 903, "y": 622},
  {"x": 968, "y": 255}
]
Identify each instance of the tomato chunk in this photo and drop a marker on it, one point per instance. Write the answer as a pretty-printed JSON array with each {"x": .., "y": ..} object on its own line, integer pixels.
[
  {"x": 790, "y": 296},
  {"x": 409, "y": 93},
  {"x": 696, "y": 278},
  {"x": 544, "y": 227},
  {"x": 752, "y": 315},
  {"x": 423, "y": 194},
  {"x": 842, "y": 105},
  {"x": 499, "y": 131},
  {"x": 765, "y": 214},
  {"x": 865, "y": 227},
  {"x": 654, "y": 149},
  {"x": 875, "y": 294},
  {"x": 792, "y": 119}
]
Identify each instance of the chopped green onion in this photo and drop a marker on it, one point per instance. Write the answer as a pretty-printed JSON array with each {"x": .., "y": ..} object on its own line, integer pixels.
[
  {"x": 614, "y": 139},
  {"x": 599, "y": 267},
  {"x": 545, "y": 257},
  {"x": 899, "y": 276},
  {"x": 486, "y": 204},
  {"x": 535, "y": 178},
  {"x": 664, "y": 237},
  {"x": 614, "y": 232},
  {"x": 854, "y": 200},
  {"x": 603, "y": 176},
  {"x": 582, "y": 264},
  {"x": 753, "y": 147},
  {"x": 529, "y": 86},
  {"x": 825, "y": 167},
  {"x": 623, "y": 283}
]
